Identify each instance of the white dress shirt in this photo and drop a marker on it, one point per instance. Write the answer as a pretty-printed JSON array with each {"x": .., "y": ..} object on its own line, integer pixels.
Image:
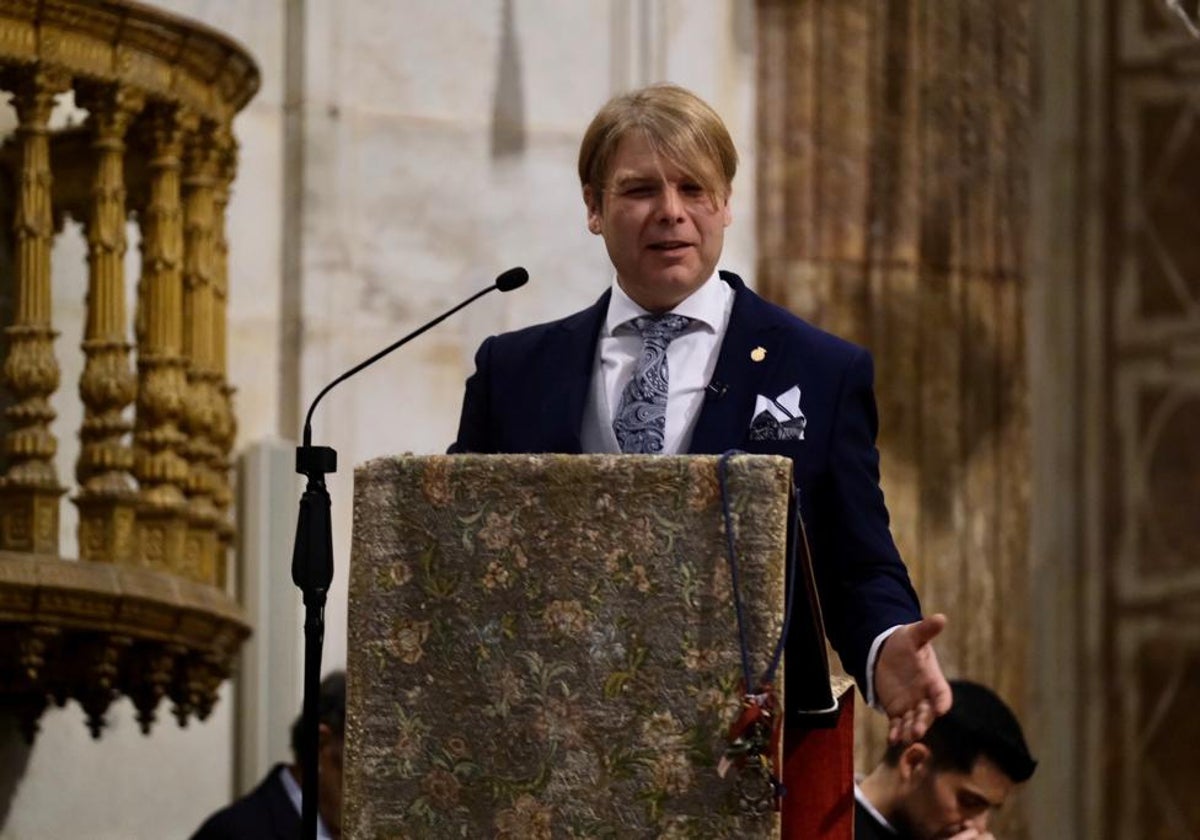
[
  {"x": 296, "y": 795},
  {"x": 862, "y": 800}
]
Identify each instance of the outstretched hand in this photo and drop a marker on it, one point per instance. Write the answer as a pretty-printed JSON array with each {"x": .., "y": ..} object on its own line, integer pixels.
[{"x": 909, "y": 685}]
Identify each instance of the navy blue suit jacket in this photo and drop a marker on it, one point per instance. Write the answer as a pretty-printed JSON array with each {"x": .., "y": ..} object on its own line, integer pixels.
[
  {"x": 265, "y": 813},
  {"x": 530, "y": 388}
]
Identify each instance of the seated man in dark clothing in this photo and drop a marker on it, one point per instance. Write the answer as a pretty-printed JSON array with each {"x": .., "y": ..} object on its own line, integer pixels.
[
  {"x": 272, "y": 810},
  {"x": 945, "y": 786}
]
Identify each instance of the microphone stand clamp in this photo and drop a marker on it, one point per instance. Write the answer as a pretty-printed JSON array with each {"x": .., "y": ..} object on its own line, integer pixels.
[{"x": 312, "y": 572}]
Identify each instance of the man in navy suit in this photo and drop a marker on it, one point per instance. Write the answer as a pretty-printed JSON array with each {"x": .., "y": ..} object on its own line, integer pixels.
[
  {"x": 678, "y": 358},
  {"x": 272, "y": 811}
]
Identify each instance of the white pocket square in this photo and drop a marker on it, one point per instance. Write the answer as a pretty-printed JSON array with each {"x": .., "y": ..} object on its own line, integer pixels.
[{"x": 779, "y": 418}]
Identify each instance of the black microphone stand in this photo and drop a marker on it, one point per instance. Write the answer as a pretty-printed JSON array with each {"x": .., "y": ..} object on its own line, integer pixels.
[{"x": 312, "y": 557}]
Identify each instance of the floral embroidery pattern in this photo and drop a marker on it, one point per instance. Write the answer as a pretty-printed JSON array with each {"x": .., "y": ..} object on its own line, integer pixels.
[{"x": 545, "y": 646}]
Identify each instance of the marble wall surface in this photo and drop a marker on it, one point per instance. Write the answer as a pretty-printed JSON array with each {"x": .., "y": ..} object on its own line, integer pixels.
[{"x": 398, "y": 156}]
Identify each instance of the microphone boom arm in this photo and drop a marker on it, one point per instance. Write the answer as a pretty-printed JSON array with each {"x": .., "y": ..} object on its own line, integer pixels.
[
  {"x": 385, "y": 351},
  {"x": 312, "y": 555}
]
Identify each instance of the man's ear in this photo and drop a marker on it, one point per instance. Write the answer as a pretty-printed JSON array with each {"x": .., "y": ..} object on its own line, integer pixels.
[
  {"x": 914, "y": 761},
  {"x": 727, "y": 209},
  {"x": 592, "y": 201}
]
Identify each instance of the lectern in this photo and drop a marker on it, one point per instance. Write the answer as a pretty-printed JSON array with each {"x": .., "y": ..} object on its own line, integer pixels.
[{"x": 548, "y": 645}]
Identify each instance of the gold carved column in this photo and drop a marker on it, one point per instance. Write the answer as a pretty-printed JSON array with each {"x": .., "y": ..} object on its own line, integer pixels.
[
  {"x": 107, "y": 497},
  {"x": 204, "y": 403},
  {"x": 892, "y": 207},
  {"x": 225, "y": 429},
  {"x": 29, "y": 490},
  {"x": 159, "y": 465}
]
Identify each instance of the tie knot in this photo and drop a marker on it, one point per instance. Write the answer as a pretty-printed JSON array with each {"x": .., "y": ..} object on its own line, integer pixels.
[{"x": 661, "y": 329}]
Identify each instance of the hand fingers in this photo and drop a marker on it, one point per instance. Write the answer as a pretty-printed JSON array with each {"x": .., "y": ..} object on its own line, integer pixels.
[
  {"x": 927, "y": 629},
  {"x": 943, "y": 698},
  {"x": 900, "y": 728},
  {"x": 921, "y": 720},
  {"x": 912, "y": 724}
]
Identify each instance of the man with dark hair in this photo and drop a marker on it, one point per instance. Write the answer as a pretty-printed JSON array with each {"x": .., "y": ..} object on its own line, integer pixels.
[
  {"x": 272, "y": 810},
  {"x": 945, "y": 786}
]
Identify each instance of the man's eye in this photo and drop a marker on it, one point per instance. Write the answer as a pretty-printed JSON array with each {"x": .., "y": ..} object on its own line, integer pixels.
[
  {"x": 972, "y": 803},
  {"x": 639, "y": 191},
  {"x": 693, "y": 190}
]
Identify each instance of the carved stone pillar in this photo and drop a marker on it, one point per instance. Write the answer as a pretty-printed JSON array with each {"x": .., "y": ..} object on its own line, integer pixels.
[
  {"x": 205, "y": 400},
  {"x": 29, "y": 490},
  {"x": 159, "y": 465},
  {"x": 107, "y": 498},
  {"x": 892, "y": 210}
]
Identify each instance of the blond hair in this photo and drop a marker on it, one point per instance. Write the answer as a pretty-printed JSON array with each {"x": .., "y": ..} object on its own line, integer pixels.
[{"x": 679, "y": 126}]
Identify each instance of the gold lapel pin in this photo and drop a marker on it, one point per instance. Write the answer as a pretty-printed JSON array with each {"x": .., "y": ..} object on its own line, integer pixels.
[{"x": 758, "y": 354}]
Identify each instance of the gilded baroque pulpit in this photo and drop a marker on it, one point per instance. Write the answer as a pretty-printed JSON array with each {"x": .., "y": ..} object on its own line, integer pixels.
[{"x": 143, "y": 610}]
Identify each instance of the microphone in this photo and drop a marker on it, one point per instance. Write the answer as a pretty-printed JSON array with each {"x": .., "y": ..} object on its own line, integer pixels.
[
  {"x": 715, "y": 390},
  {"x": 514, "y": 278},
  {"x": 312, "y": 554}
]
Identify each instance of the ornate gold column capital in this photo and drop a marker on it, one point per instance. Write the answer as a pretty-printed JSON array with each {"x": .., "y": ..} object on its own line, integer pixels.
[
  {"x": 111, "y": 108},
  {"x": 163, "y": 132},
  {"x": 34, "y": 90}
]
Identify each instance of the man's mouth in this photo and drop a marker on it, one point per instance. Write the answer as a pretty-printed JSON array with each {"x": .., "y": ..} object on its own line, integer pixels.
[{"x": 670, "y": 245}]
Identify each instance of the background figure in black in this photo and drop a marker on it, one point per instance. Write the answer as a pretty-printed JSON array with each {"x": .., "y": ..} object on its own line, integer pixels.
[{"x": 272, "y": 810}]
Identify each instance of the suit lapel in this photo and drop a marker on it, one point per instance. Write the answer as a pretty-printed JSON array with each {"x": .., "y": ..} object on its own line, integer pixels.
[
  {"x": 570, "y": 361},
  {"x": 750, "y": 350}
]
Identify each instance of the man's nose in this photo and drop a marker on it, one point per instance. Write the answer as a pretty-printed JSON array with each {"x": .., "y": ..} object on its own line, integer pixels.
[
  {"x": 672, "y": 203},
  {"x": 979, "y": 822}
]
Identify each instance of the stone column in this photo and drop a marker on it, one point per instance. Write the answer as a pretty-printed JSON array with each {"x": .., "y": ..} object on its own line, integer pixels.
[
  {"x": 159, "y": 465},
  {"x": 205, "y": 400},
  {"x": 892, "y": 210},
  {"x": 29, "y": 490},
  {"x": 107, "y": 497}
]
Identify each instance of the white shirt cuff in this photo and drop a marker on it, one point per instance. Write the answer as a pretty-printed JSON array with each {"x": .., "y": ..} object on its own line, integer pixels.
[{"x": 872, "y": 655}]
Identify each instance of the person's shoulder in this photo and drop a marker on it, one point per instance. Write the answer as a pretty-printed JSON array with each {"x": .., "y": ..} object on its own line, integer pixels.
[
  {"x": 866, "y": 827},
  {"x": 813, "y": 339},
  {"x": 252, "y": 815},
  {"x": 566, "y": 323},
  {"x": 531, "y": 337}
]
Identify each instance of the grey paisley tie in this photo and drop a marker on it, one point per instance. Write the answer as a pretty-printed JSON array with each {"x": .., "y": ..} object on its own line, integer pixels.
[{"x": 641, "y": 419}]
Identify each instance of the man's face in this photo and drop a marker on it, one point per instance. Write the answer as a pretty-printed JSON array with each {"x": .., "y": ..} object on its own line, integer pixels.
[
  {"x": 943, "y": 804},
  {"x": 663, "y": 232}
]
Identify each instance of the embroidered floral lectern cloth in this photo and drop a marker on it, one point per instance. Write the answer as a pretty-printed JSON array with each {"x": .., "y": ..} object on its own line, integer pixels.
[{"x": 546, "y": 646}]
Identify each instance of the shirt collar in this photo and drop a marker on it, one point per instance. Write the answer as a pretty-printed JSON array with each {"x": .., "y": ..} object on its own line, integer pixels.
[
  {"x": 706, "y": 305},
  {"x": 871, "y": 809},
  {"x": 297, "y": 797}
]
